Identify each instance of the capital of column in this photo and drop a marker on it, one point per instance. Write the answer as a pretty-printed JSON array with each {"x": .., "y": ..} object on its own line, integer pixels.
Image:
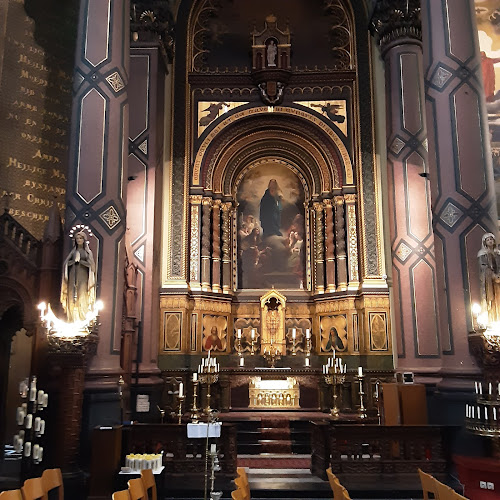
[
  {"x": 396, "y": 21},
  {"x": 196, "y": 199},
  {"x": 207, "y": 201},
  {"x": 152, "y": 21}
]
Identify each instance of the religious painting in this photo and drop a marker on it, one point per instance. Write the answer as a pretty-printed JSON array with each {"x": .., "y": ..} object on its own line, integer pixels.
[
  {"x": 172, "y": 331},
  {"x": 214, "y": 333},
  {"x": 333, "y": 333},
  {"x": 334, "y": 110},
  {"x": 271, "y": 228},
  {"x": 209, "y": 111},
  {"x": 378, "y": 331},
  {"x": 488, "y": 26}
]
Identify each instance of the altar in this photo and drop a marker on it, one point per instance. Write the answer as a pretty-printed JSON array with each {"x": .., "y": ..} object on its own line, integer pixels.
[{"x": 273, "y": 393}]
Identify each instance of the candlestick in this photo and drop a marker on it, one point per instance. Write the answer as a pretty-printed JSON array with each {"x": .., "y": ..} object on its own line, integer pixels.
[
  {"x": 179, "y": 414},
  {"x": 362, "y": 410},
  {"x": 181, "y": 390}
]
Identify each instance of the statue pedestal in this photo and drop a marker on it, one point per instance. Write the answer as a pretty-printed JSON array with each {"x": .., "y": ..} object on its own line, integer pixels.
[{"x": 282, "y": 394}]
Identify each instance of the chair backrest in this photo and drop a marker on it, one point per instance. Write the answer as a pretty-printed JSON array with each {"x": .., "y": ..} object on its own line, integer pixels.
[
  {"x": 51, "y": 479},
  {"x": 136, "y": 489},
  {"x": 33, "y": 489},
  {"x": 345, "y": 494},
  {"x": 121, "y": 495},
  {"x": 331, "y": 477},
  {"x": 338, "y": 489},
  {"x": 242, "y": 472},
  {"x": 428, "y": 483},
  {"x": 148, "y": 480},
  {"x": 444, "y": 492},
  {"x": 11, "y": 495},
  {"x": 243, "y": 485},
  {"x": 238, "y": 494}
]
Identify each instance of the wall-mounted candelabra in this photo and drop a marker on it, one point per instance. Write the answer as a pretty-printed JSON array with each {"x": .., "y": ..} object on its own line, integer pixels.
[
  {"x": 208, "y": 373},
  {"x": 238, "y": 345},
  {"x": 334, "y": 372},
  {"x": 27, "y": 441},
  {"x": 294, "y": 342}
]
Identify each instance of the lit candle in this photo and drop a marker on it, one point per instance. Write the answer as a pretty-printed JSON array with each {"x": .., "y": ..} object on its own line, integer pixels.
[
  {"x": 242, "y": 361},
  {"x": 28, "y": 421},
  {"x": 195, "y": 377},
  {"x": 473, "y": 410},
  {"x": 252, "y": 333},
  {"x": 489, "y": 388},
  {"x": 294, "y": 333},
  {"x": 40, "y": 397},
  {"x": 360, "y": 371},
  {"x": 45, "y": 400},
  {"x": 27, "y": 449},
  {"x": 494, "y": 413},
  {"x": 478, "y": 413},
  {"x": 308, "y": 362},
  {"x": 181, "y": 389},
  {"x": 485, "y": 413},
  {"x": 308, "y": 334}
]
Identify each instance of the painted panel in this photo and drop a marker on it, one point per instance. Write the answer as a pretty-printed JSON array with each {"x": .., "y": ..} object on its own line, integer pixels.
[
  {"x": 97, "y": 41},
  {"x": 333, "y": 333},
  {"x": 410, "y": 82},
  {"x": 214, "y": 333},
  {"x": 172, "y": 327},
  {"x": 89, "y": 185},
  {"x": 139, "y": 91},
  {"x": 379, "y": 336},
  {"x": 424, "y": 302},
  {"x": 460, "y": 37}
]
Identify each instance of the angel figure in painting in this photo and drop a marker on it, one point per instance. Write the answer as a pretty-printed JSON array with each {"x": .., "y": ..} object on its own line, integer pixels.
[
  {"x": 78, "y": 283},
  {"x": 489, "y": 271}
]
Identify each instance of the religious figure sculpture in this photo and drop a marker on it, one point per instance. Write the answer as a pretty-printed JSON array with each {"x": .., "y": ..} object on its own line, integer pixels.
[
  {"x": 78, "y": 283},
  {"x": 272, "y": 50},
  {"x": 489, "y": 270},
  {"x": 270, "y": 210}
]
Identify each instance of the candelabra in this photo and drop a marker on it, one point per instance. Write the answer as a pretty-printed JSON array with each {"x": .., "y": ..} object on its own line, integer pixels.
[
  {"x": 253, "y": 341},
  {"x": 272, "y": 353},
  {"x": 362, "y": 409},
  {"x": 334, "y": 372},
  {"x": 308, "y": 349},
  {"x": 208, "y": 373},
  {"x": 238, "y": 345},
  {"x": 33, "y": 426},
  {"x": 195, "y": 412},
  {"x": 483, "y": 417}
]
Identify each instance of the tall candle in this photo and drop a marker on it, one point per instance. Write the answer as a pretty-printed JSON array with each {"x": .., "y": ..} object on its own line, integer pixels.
[
  {"x": 28, "y": 421},
  {"x": 476, "y": 387},
  {"x": 360, "y": 371},
  {"x": 308, "y": 334},
  {"x": 195, "y": 377},
  {"x": 252, "y": 333},
  {"x": 480, "y": 388},
  {"x": 242, "y": 361},
  {"x": 181, "y": 389},
  {"x": 294, "y": 333},
  {"x": 489, "y": 388},
  {"x": 239, "y": 333},
  {"x": 494, "y": 413},
  {"x": 308, "y": 362}
]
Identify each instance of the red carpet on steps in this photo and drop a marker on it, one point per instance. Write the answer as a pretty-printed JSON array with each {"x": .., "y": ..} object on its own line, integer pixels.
[{"x": 274, "y": 462}]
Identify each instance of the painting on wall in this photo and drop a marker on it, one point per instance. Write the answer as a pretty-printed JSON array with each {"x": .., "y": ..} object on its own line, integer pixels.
[
  {"x": 379, "y": 340},
  {"x": 214, "y": 333},
  {"x": 488, "y": 26},
  {"x": 271, "y": 228},
  {"x": 333, "y": 333},
  {"x": 172, "y": 331}
]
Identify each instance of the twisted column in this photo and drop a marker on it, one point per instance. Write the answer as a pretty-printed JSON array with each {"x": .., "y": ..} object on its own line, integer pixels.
[
  {"x": 194, "y": 251},
  {"x": 340, "y": 243},
  {"x": 319, "y": 253},
  {"x": 216, "y": 246},
  {"x": 205, "y": 243},
  {"x": 329, "y": 246}
]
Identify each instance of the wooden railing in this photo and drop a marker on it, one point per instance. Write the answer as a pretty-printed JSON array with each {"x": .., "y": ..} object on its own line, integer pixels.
[
  {"x": 377, "y": 449},
  {"x": 180, "y": 454}
]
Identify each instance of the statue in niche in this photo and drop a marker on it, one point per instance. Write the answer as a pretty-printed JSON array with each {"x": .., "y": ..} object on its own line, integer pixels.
[
  {"x": 489, "y": 272},
  {"x": 78, "y": 283},
  {"x": 272, "y": 51}
]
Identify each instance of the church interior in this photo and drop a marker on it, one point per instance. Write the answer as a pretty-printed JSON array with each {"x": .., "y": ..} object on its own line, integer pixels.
[{"x": 249, "y": 249}]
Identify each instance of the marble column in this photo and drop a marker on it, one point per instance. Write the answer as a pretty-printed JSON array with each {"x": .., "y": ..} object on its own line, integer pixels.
[
  {"x": 206, "y": 239},
  {"x": 340, "y": 249},
  {"x": 319, "y": 240},
  {"x": 412, "y": 240},
  {"x": 216, "y": 247},
  {"x": 329, "y": 246},
  {"x": 463, "y": 198},
  {"x": 98, "y": 169}
]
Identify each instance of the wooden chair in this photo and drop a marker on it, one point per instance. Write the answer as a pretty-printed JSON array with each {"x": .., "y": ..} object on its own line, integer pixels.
[
  {"x": 242, "y": 472},
  {"x": 445, "y": 492},
  {"x": 238, "y": 494},
  {"x": 243, "y": 485},
  {"x": 51, "y": 479},
  {"x": 338, "y": 490},
  {"x": 11, "y": 495},
  {"x": 148, "y": 480},
  {"x": 331, "y": 477},
  {"x": 345, "y": 494},
  {"x": 121, "y": 495},
  {"x": 136, "y": 489},
  {"x": 428, "y": 485},
  {"x": 33, "y": 489}
]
